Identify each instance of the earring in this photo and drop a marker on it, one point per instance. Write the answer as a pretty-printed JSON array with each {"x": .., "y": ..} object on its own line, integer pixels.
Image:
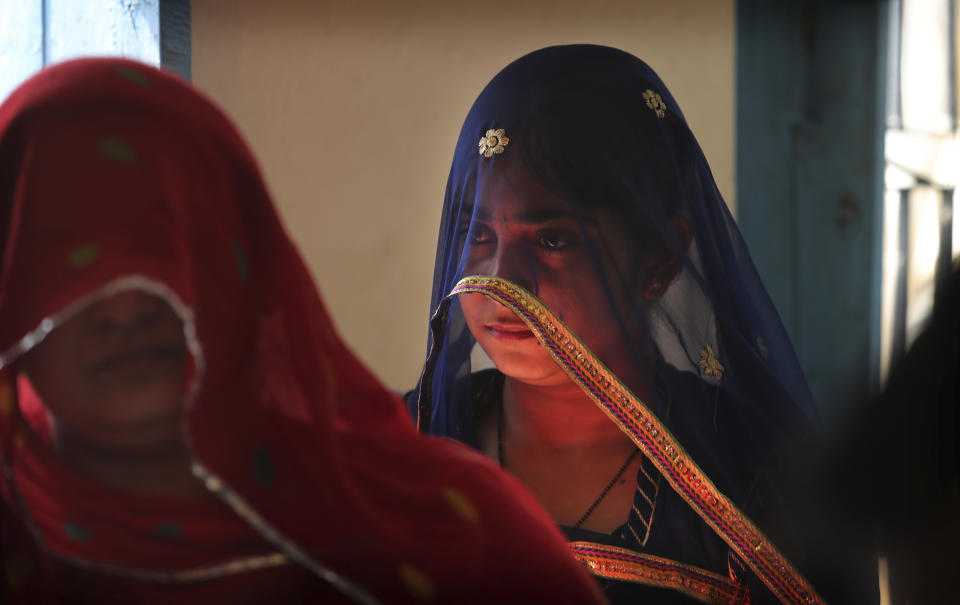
[{"x": 654, "y": 289}]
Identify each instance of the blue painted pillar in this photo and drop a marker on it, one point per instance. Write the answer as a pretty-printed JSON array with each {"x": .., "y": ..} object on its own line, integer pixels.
[{"x": 810, "y": 125}]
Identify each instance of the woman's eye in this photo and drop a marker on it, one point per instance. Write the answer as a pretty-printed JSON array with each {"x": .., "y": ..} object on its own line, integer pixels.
[
  {"x": 553, "y": 242},
  {"x": 477, "y": 234}
]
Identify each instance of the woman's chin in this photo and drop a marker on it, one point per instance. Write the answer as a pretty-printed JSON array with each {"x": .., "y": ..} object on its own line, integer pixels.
[
  {"x": 538, "y": 371},
  {"x": 524, "y": 360}
]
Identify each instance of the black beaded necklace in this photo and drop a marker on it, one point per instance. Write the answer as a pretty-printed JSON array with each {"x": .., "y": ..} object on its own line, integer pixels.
[{"x": 602, "y": 495}]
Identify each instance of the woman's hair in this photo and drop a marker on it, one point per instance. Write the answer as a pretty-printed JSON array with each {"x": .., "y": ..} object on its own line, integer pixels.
[
  {"x": 605, "y": 139},
  {"x": 583, "y": 143}
]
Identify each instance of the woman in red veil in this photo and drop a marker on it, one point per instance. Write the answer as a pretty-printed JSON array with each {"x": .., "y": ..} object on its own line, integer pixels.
[{"x": 178, "y": 419}]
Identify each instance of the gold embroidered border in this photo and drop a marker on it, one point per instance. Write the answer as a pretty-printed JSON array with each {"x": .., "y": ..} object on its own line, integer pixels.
[
  {"x": 625, "y": 565},
  {"x": 653, "y": 439}
]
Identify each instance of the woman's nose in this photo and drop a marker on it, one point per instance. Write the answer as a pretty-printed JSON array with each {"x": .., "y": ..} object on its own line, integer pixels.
[
  {"x": 124, "y": 310},
  {"x": 517, "y": 264}
]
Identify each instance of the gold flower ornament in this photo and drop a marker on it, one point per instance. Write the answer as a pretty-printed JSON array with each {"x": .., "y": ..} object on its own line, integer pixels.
[
  {"x": 655, "y": 102},
  {"x": 709, "y": 365},
  {"x": 493, "y": 142}
]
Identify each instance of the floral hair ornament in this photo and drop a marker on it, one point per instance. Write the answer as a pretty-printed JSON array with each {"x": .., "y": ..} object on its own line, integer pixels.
[
  {"x": 655, "y": 102},
  {"x": 493, "y": 142}
]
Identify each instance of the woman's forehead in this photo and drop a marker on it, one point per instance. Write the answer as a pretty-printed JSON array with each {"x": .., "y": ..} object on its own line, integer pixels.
[{"x": 519, "y": 196}]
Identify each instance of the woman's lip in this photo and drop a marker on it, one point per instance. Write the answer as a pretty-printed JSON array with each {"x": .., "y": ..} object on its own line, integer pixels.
[{"x": 509, "y": 332}]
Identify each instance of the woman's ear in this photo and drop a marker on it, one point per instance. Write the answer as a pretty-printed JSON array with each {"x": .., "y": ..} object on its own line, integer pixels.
[{"x": 663, "y": 266}]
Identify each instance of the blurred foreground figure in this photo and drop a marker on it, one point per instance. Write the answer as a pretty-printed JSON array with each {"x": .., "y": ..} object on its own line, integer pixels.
[
  {"x": 178, "y": 420},
  {"x": 893, "y": 470}
]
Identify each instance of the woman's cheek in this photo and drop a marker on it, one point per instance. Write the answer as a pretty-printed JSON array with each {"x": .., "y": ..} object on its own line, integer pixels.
[{"x": 565, "y": 305}]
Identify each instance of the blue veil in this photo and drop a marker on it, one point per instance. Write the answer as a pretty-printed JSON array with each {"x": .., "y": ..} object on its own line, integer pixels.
[{"x": 597, "y": 127}]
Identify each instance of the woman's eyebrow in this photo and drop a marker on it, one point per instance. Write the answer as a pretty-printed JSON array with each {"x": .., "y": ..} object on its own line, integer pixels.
[
  {"x": 466, "y": 212},
  {"x": 531, "y": 217},
  {"x": 544, "y": 215}
]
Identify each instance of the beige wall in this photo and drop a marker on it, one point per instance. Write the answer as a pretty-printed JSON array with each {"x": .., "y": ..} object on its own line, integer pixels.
[{"x": 353, "y": 109}]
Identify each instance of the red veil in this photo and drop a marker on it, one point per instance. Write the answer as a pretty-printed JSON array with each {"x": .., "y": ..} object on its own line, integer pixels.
[{"x": 114, "y": 175}]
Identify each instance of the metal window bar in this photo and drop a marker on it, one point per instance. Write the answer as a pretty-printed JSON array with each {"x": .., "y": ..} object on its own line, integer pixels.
[
  {"x": 175, "y": 36},
  {"x": 952, "y": 62},
  {"x": 894, "y": 43},
  {"x": 944, "y": 262}
]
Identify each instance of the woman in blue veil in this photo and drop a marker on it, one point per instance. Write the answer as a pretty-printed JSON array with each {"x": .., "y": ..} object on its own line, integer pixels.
[{"x": 596, "y": 315}]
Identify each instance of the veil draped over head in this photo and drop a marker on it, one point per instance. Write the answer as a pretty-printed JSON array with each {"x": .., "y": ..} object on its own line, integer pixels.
[
  {"x": 709, "y": 359},
  {"x": 115, "y": 176}
]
